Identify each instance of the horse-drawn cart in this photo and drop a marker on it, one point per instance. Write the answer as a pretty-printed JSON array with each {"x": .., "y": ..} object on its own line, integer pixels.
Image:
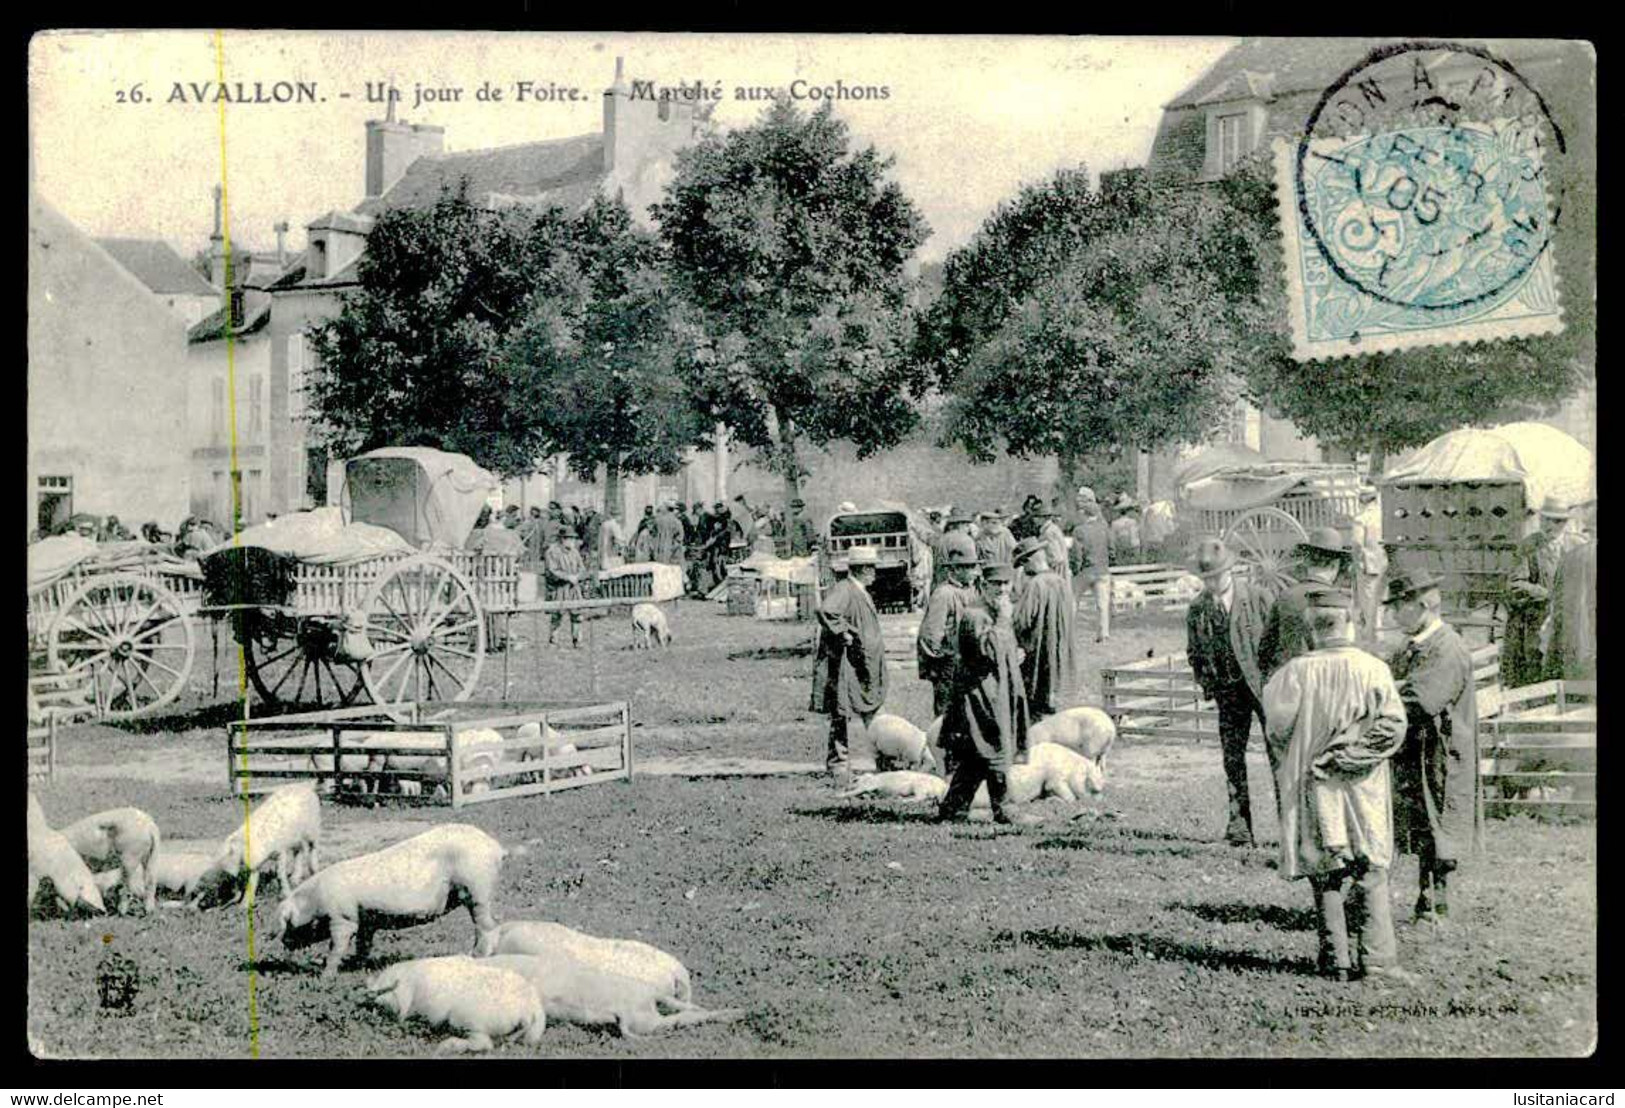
[{"x": 1264, "y": 510}]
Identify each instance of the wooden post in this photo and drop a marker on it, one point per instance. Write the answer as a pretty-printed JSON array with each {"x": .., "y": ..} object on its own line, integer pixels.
[
  {"x": 626, "y": 739},
  {"x": 338, "y": 746},
  {"x": 455, "y": 764},
  {"x": 547, "y": 767},
  {"x": 592, "y": 659}
]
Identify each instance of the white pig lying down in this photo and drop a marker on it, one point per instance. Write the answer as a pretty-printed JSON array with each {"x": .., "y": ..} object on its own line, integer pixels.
[
  {"x": 51, "y": 857},
  {"x": 1086, "y": 730},
  {"x": 899, "y": 744},
  {"x": 122, "y": 840},
  {"x": 485, "y": 1003},
  {"x": 898, "y": 784},
  {"x": 412, "y": 882},
  {"x": 1050, "y": 770},
  {"x": 282, "y": 832},
  {"x": 627, "y": 957},
  {"x": 576, "y": 990}
]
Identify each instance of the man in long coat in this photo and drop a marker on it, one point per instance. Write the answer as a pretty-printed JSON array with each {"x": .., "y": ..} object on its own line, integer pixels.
[
  {"x": 1223, "y": 628},
  {"x": 849, "y": 672},
  {"x": 668, "y": 544},
  {"x": 1436, "y": 774},
  {"x": 1043, "y": 625},
  {"x": 1571, "y": 634},
  {"x": 1529, "y": 592},
  {"x": 1323, "y": 558},
  {"x": 985, "y": 727},
  {"x": 1026, "y": 525},
  {"x": 995, "y": 545},
  {"x": 937, "y": 646},
  {"x": 958, "y": 523},
  {"x": 1335, "y": 720}
]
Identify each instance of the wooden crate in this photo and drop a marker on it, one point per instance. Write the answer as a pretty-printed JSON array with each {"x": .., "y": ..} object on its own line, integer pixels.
[
  {"x": 42, "y": 750},
  {"x": 325, "y": 748},
  {"x": 1538, "y": 754},
  {"x": 330, "y": 590},
  {"x": 1159, "y": 697},
  {"x": 1152, "y": 587}
]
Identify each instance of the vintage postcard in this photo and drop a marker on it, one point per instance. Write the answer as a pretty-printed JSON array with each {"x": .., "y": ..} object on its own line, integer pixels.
[{"x": 630, "y": 546}]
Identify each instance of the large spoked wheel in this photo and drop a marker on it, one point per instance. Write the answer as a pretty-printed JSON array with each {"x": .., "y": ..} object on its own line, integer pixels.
[
  {"x": 427, "y": 633},
  {"x": 297, "y": 661},
  {"x": 1264, "y": 539},
  {"x": 133, "y": 634}
]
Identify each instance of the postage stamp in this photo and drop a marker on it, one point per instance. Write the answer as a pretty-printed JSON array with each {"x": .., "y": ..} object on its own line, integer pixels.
[{"x": 1418, "y": 207}]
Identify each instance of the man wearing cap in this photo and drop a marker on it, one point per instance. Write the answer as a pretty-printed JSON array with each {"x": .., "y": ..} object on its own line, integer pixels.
[
  {"x": 1436, "y": 772},
  {"x": 1042, "y": 621},
  {"x": 1322, "y": 558},
  {"x": 1091, "y": 558},
  {"x": 984, "y": 730},
  {"x": 1335, "y": 721},
  {"x": 958, "y": 523},
  {"x": 849, "y": 673},
  {"x": 936, "y": 647},
  {"x": 995, "y": 544},
  {"x": 1529, "y": 591},
  {"x": 565, "y": 571},
  {"x": 1223, "y": 627},
  {"x": 1125, "y": 531},
  {"x": 1370, "y": 561}
]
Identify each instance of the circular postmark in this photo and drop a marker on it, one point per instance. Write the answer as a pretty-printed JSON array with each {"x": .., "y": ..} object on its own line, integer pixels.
[{"x": 1424, "y": 177}]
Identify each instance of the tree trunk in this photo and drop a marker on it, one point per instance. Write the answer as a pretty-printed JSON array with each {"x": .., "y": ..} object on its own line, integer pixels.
[
  {"x": 1379, "y": 460},
  {"x": 791, "y": 469},
  {"x": 612, "y": 489},
  {"x": 1066, "y": 495}
]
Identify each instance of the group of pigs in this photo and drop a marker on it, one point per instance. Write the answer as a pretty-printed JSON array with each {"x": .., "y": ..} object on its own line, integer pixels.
[{"x": 526, "y": 971}]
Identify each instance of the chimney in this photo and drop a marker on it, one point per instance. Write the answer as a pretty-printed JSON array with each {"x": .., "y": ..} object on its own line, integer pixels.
[
  {"x": 281, "y": 230},
  {"x": 391, "y": 147},
  {"x": 428, "y": 141},
  {"x": 217, "y": 244},
  {"x": 612, "y": 97}
]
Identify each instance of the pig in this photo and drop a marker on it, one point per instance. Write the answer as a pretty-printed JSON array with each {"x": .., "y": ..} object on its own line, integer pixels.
[
  {"x": 900, "y": 784},
  {"x": 178, "y": 872},
  {"x": 411, "y": 882},
  {"x": 123, "y": 837},
  {"x": 579, "y": 991},
  {"x": 623, "y": 956},
  {"x": 1050, "y": 770},
  {"x": 1089, "y": 731},
  {"x": 649, "y": 627},
  {"x": 51, "y": 855},
  {"x": 283, "y": 829},
  {"x": 899, "y": 744},
  {"x": 432, "y": 765},
  {"x": 484, "y": 1002},
  {"x": 557, "y": 747}
]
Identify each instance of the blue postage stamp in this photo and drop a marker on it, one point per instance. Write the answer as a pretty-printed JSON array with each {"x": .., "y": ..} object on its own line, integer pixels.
[{"x": 1422, "y": 226}]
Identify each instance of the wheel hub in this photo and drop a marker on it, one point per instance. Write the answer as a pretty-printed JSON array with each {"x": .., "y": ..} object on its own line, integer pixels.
[{"x": 123, "y": 650}]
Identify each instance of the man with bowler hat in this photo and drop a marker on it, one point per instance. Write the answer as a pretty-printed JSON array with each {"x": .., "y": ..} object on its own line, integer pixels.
[
  {"x": 1323, "y": 558},
  {"x": 1043, "y": 624},
  {"x": 1223, "y": 629},
  {"x": 937, "y": 647},
  {"x": 1436, "y": 772}
]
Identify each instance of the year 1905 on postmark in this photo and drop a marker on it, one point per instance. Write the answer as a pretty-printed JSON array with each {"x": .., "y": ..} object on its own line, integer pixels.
[{"x": 1418, "y": 207}]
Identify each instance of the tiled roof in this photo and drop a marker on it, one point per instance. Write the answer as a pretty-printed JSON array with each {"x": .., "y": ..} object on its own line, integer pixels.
[
  {"x": 559, "y": 171},
  {"x": 294, "y": 276},
  {"x": 211, "y": 328},
  {"x": 156, "y": 265},
  {"x": 342, "y": 221}
]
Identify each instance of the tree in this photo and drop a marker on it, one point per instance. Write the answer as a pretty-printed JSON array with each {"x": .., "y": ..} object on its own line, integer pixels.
[
  {"x": 415, "y": 356},
  {"x": 790, "y": 248},
  {"x": 595, "y": 359},
  {"x": 1124, "y": 304}
]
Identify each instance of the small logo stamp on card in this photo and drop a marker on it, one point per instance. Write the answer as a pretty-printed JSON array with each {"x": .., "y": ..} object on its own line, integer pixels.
[{"x": 1418, "y": 207}]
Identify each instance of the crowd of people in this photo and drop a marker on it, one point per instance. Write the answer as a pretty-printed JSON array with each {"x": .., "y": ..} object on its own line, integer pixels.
[
  {"x": 1371, "y": 751},
  {"x": 189, "y": 540}
]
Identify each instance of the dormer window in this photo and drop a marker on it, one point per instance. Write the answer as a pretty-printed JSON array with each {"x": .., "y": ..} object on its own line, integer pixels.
[
  {"x": 236, "y": 306},
  {"x": 1232, "y": 139},
  {"x": 318, "y": 257}
]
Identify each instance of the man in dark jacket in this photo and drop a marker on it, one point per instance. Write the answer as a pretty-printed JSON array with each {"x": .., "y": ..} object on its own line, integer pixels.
[
  {"x": 849, "y": 673},
  {"x": 985, "y": 726},
  {"x": 1436, "y": 772},
  {"x": 1223, "y": 628},
  {"x": 1324, "y": 558},
  {"x": 936, "y": 647},
  {"x": 1043, "y": 624},
  {"x": 1026, "y": 525}
]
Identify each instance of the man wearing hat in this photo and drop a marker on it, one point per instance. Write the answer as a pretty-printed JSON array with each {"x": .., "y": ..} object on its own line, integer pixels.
[
  {"x": 1370, "y": 560},
  {"x": 564, "y": 573},
  {"x": 1091, "y": 545},
  {"x": 995, "y": 544},
  {"x": 1529, "y": 591},
  {"x": 1570, "y": 631},
  {"x": 1335, "y": 721},
  {"x": 849, "y": 673},
  {"x": 1223, "y": 628},
  {"x": 1054, "y": 540},
  {"x": 1042, "y": 621},
  {"x": 1436, "y": 772},
  {"x": 984, "y": 730},
  {"x": 1026, "y": 525},
  {"x": 1125, "y": 531},
  {"x": 1323, "y": 557},
  {"x": 803, "y": 536},
  {"x": 936, "y": 647},
  {"x": 958, "y": 522}
]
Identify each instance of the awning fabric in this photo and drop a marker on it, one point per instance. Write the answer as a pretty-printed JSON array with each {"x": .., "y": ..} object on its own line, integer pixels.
[{"x": 1547, "y": 461}]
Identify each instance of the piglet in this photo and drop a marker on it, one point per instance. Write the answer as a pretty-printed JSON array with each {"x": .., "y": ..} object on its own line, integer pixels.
[{"x": 127, "y": 838}]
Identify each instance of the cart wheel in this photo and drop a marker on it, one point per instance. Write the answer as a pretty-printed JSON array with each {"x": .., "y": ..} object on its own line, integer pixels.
[
  {"x": 133, "y": 635},
  {"x": 1264, "y": 539},
  {"x": 296, "y": 661},
  {"x": 427, "y": 633}
]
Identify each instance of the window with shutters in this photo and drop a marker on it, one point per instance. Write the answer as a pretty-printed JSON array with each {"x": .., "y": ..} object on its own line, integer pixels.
[
  {"x": 1232, "y": 140},
  {"x": 296, "y": 376}
]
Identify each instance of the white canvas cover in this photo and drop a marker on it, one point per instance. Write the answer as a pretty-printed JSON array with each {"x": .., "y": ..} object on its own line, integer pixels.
[
  {"x": 320, "y": 537},
  {"x": 428, "y": 497},
  {"x": 1548, "y": 462},
  {"x": 668, "y": 579},
  {"x": 796, "y": 571}
]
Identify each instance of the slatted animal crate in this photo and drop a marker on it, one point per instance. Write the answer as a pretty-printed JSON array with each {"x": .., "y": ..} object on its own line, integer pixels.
[
  {"x": 55, "y": 699},
  {"x": 325, "y": 589},
  {"x": 1466, "y": 532},
  {"x": 1538, "y": 754},
  {"x": 327, "y": 748},
  {"x": 1152, "y": 587},
  {"x": 1159, "y": 697}
]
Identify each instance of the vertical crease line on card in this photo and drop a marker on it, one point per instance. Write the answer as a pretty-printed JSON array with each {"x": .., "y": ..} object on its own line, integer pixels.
[{"x": 236, "y": 487}]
